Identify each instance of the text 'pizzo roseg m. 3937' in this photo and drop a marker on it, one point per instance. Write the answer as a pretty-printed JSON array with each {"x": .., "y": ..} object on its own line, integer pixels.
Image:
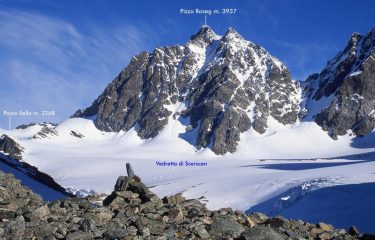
[{"x": 222, "y": 86}]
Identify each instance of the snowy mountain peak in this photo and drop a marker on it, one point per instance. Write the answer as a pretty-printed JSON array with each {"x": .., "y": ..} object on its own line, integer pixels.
[
  {"x": 219, "y": 87},
  {"x": 231, "y": 34},
  {"x": 355, "y": 37},
  {"x": 205, "y": 34},
  {"x": 346, "y": 86}
]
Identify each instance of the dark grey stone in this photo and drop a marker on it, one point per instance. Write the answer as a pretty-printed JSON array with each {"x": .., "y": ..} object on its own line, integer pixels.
[
  {"x": 141, "y": 189},
  {"x": 16, "y": 225},
  {"x": 130, "y": 170},
  {"x": 115, "y": 234},
  {"x": 79, "y": 236},
  {"x": 7, "y": 213},
  {"x": 88, "y": 225},
  {"x": 261, "y": 233},
  {"x": 44, "y": 230},
  {"x": 277, "y": 222},
  {"x": 121, "y": 183},
  {"x": 156, "y": 226},
  {"x": 225, "y": 226}
]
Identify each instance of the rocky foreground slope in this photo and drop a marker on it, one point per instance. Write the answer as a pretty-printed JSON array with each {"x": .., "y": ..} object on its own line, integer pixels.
[{"x": 132, "y": 211}]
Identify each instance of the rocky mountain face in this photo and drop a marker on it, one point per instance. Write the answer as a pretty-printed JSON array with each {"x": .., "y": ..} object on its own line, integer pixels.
[
  {"x": 134, "y": 212},
  {"x": 10, "y": 147},
  {"x": 223, "y": 86},
  {"x": 347, "y": 85},
  {"x": 46, "y": 132}
]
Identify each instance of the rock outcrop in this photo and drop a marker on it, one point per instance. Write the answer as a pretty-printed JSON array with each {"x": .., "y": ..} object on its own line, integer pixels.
[
  {"x": 10, "y": 147},
  {"x": 222, "y": 85},
  {"x": 43, "y": 124},
  {"x": 346, "y": 89},
  {"x": 12, "y": 156},
  {"x": 134, "y": 212},
  {"x": 46, "y": 132}
]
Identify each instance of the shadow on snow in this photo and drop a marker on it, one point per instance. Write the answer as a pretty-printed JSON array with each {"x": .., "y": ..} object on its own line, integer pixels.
[
  {"x": 299, "y": 164},
  {"x": 340, "y": 205}
]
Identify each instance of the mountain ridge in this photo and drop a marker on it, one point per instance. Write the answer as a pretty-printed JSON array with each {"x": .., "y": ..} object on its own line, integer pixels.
[
  {"x": 348, "y": 79},
  {"x": 228, "y": 85}
]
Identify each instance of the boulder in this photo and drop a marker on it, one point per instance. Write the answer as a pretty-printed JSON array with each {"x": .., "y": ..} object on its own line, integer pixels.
[
  {"x": 325, "y": 227},
  {"x": 121, "y": 183},
  {"x": 7, "y": 213},
  {"x": 174, "y": 199},
  {"x": 79, "y": 236},
  {"x": 225, "y": 226},
  {"x": 41, "y": 212},
  {"x": 261, "y": 233},
  {"x": 176, "y": 214},
  {"x": 101, "y": 216},
  {"x": 277, "y": 222}
]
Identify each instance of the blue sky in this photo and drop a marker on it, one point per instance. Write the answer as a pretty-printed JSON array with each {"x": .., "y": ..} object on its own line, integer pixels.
[{"x": 59, "y": 55}]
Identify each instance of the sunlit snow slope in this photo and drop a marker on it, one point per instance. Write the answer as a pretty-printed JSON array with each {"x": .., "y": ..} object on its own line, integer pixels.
[{"x": 266, "y": 174}]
